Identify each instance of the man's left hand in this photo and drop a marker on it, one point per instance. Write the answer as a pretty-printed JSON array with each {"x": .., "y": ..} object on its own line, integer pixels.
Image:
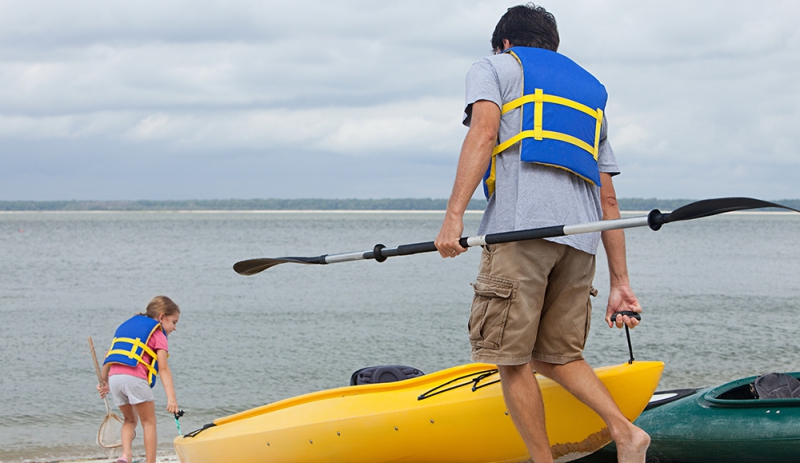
[{"x": 622, "y": 298}]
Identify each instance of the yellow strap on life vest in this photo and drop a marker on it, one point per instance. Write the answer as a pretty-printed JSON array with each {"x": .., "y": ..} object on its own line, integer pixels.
[
  {"x": 131, "y": 353},
  {"x": 538, "y": 98},
  {"x": 543, "y": 134},
  {"x": 598, "y": 126}
]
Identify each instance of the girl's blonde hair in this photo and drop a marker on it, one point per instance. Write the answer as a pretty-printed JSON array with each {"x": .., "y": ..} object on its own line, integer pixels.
[{"x": 161, "y": 305}]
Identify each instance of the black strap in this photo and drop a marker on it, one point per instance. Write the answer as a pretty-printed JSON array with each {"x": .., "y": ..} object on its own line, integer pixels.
[{"x": 627, "y": 331}]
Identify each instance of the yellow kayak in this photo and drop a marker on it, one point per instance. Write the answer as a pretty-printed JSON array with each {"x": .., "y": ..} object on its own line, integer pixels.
[{"x": 454, "y": 415}]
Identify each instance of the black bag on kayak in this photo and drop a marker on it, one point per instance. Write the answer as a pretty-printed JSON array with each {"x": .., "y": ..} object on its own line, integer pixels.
[
  {"x": 383, "y": 374},
  {"x": 776, "y": 386}
]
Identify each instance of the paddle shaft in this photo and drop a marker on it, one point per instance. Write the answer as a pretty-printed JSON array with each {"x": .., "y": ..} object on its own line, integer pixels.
[
  {"x": 655, "y": 219},
  {"x": 381, "y": 252}
]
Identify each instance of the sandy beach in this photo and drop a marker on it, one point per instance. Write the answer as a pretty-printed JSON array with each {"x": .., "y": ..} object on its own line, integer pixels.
[{"x": 161, "y": 458}]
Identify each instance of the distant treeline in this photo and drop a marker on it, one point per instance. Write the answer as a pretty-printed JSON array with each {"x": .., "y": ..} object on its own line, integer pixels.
[
  {"x": 402, "y": 204},
  {"x": 407, "y": 204}
]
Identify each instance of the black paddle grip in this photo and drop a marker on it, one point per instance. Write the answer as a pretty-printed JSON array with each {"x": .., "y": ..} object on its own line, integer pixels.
[
  {"x": 376, "y": 253},
  {"x": 655, "y": 219}
]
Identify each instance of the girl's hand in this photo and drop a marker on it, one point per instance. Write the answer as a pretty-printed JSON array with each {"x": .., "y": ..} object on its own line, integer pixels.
[
  {"x": 172, "y": 406},
  {"x": 102, "y": 388}
]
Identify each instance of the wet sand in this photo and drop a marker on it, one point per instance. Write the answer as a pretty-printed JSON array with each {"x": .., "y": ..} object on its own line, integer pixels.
[{"x": 160, "y": 458}]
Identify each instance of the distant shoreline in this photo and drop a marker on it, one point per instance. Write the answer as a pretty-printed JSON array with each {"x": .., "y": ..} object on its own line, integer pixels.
[
  {"x": 771, "y": 211},
  {"x": 250, "y": 211},
  {"x": 305, "y": 205}
]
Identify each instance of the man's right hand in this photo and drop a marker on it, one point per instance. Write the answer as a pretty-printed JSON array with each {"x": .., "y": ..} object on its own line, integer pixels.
[{"x": 447, "y": 242}]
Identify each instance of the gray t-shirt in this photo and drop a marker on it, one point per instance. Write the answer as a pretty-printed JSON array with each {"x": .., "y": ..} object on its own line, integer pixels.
[{"x": 529, "y": 195}]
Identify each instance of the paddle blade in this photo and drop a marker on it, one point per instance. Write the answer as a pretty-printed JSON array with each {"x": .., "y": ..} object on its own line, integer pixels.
[
  {"x": 709, "y": 207},
  {"x": 253, "y": 266}
]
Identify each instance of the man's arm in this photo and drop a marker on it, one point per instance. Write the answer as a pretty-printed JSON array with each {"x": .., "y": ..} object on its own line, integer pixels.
[
  {"x": 476, "y": 151},
  {"x": 621, "y": 296}
]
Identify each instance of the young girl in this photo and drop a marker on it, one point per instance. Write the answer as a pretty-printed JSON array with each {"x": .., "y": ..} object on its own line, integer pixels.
[{"x": 137, "y": 355}]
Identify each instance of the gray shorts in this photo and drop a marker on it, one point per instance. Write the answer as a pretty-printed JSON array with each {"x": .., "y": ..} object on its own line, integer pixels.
[{"x": 127, "y": 389}]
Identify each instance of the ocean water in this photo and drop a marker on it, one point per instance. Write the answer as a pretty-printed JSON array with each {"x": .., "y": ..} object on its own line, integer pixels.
[{"x": 720, "y": 294}]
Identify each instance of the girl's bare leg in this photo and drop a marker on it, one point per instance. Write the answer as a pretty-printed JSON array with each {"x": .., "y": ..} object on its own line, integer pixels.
[
  {"x": 128, "y": 431},
  {"x": 147, "y": 414}
]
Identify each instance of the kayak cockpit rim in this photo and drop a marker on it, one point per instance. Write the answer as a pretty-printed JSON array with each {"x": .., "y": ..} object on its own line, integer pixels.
[{"x": 737, "y": 394}]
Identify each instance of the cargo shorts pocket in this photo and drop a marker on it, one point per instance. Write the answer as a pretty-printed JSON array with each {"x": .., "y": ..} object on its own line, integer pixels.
[{"x": 490, "y": 305}]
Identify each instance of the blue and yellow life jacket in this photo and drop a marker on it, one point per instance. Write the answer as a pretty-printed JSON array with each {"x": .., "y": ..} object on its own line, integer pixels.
[
  {"x": 130, "y": 344},
  {"x": 561, "y": 115}
]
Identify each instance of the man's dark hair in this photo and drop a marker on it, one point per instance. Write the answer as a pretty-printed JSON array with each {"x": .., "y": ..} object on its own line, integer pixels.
[{"x": 526, "y": 26}]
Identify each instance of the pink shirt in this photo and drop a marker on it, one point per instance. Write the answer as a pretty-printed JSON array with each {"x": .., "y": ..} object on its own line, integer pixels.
[{"x": 158, "y": 341}]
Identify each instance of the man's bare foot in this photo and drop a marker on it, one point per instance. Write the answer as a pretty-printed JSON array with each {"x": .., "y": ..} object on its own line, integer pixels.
[{"x": 632, "y": 448}]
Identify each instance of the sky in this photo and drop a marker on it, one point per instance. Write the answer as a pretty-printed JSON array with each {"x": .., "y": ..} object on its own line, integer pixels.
[{"x": 204, "y": 99}]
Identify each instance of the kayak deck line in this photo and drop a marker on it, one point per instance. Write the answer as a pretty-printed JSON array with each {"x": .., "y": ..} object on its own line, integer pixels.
[{"x": 481, "y": 375}]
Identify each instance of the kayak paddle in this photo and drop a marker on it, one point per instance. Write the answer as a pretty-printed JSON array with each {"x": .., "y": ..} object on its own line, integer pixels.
[{"x": 655, "y": 219}]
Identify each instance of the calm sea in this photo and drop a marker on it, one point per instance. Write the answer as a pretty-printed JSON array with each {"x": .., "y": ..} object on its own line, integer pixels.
[{"x": 721, "y": 299}]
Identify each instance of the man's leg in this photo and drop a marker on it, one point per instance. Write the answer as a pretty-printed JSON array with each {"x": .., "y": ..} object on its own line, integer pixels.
[
  {"x": 580, "y": 380},
  {"x": 524, "y": 402}
]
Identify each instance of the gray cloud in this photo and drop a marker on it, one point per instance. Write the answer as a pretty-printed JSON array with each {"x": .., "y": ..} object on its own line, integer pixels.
[{"x": 237, "y": 99}]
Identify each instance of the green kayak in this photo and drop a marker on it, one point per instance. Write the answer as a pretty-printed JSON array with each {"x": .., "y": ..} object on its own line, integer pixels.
[{"x": 725, "y": 424}]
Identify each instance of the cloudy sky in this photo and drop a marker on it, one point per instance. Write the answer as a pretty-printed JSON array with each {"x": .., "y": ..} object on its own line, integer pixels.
[{"x": 244, "y": 99}]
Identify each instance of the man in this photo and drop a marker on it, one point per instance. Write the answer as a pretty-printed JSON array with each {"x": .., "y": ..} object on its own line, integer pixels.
[{"x": 535, "y": 118}]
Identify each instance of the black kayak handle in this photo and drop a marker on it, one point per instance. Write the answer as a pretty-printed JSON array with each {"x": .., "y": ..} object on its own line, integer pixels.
[
  {"x": 628, "y": 313},
  {"x": 627, "y": 332}
]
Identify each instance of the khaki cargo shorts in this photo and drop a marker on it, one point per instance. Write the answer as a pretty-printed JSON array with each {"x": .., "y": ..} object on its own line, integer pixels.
[{"x": 531, "y": 301}]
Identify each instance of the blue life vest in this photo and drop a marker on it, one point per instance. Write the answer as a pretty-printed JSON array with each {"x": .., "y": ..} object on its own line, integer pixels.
[
  {"x": 561, "y": 115},
  {"x": 130, "y": 343}
]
